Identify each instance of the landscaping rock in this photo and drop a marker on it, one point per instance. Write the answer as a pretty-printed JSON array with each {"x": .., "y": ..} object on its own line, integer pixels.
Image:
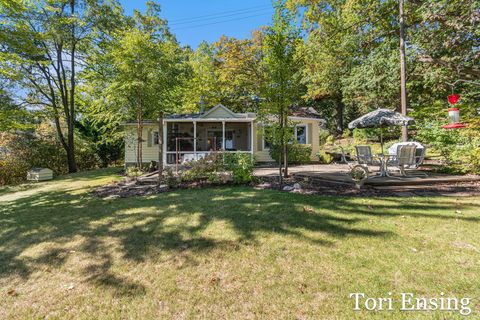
[
  {"x": 297, "y": 186},
  {"x": 112, "y": 197},
  {"x": 288, "y": 188}
]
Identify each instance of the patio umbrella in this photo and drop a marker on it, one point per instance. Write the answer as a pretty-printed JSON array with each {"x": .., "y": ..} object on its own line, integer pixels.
[{"x": 381, "y": 118}]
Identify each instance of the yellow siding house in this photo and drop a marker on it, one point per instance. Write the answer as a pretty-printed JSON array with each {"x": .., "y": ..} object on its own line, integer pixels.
[{"x": 192, "y": 136}]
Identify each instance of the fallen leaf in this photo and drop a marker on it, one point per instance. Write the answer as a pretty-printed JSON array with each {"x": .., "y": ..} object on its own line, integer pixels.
[
  {"x": 308, "y": 209},
  {"x": 370, "y": 207},
  {"x": 12, "y": 292},
  {"x": 458, "y": 211},
  {"x": 414, "y": 250}
]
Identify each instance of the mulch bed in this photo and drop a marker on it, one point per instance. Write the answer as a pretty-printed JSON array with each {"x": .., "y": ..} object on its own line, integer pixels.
[
  {"x": 126, "y": 189},
  {"x": 445, "y": 189}
]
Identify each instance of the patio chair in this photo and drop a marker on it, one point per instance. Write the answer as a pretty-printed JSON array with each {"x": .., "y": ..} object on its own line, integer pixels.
[
  {"x": 406, "y": 158},
  {"x": 364, "y": 156},
  {"x": 419, "y": 157}
]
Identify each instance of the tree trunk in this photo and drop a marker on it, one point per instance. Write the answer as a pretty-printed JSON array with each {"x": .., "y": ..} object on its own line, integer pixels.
[
  {"x": 339, "y": 108},
  {"x": 72, "y": 165},
  {"x": 139, "y": 135},
  {"x": 280, "y": 151},
  {"x": 403, "y": 80},
  {"x": 285, "y": 149},
  {"x": 160, "y": 147}
]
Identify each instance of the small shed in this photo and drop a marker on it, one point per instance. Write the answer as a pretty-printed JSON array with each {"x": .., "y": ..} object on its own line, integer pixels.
[{"x": 40, "y": 174}]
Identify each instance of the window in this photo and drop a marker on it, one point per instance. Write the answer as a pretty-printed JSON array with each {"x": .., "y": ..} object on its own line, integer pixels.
[
  {"x": 155, "y": 138},
  {"x": 301, "y": 134}
]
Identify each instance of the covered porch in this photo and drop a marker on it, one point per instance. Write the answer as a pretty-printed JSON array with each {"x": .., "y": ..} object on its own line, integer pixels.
[{"x": 192, "y": 139}]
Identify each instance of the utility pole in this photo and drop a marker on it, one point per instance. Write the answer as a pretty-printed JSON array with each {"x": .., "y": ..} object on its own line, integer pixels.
[{"x": 403, "y": 80}]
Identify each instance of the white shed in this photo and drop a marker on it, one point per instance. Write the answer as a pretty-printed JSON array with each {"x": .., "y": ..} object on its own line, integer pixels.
[{"x": 40, "y": 174}]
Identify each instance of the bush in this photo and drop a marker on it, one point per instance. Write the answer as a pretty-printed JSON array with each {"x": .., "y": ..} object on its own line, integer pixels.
[
  {"x": 324, "y": 158},
  {"x": 323, "y": 137},
  {"x": 241, "y": 165},
  {"x": 460, "y": 149},
  {"x": 133, "y": 172},
  {"x": 330, "y": 140},
  {"x": 40, "y": 148},
  {"x": 296, "y": 153},
  {"x": 207, "y": 168}
]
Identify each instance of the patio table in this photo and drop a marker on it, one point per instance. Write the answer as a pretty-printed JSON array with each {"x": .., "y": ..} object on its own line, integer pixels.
[{"x": 383, "y": 159}]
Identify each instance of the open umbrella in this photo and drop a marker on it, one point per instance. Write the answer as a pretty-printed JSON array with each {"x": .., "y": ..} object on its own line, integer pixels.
[{"x": 381, "y": 118}]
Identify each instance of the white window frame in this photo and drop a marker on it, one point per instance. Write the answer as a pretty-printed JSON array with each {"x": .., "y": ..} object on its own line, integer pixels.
[{"x": 306, "y": 133}]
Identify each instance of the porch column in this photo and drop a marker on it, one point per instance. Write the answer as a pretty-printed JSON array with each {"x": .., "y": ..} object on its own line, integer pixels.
[
  {"x": 195, "y": 139},
  {"x": 223, "y": 135},
  {"x": 251, "y": 137},
  {"x": 164, "y": 144}
]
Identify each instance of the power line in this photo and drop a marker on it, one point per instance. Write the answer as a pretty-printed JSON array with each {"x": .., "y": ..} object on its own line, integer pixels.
[
  {"x": 223, "y": 21},
  {"x": 221, "y": 13},
  {"x": 221, "y": 16}
]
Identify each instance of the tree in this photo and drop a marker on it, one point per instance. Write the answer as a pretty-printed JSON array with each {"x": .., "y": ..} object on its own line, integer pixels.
[
  {"x": 239, "y": 77},
  {"x": 147, "y": 67},
  {"x": 203, "y": 85},
  {"x": 43, "y": 44},
  {"x": 282, "y": 79},
  {"x": 328, "y": 52}
]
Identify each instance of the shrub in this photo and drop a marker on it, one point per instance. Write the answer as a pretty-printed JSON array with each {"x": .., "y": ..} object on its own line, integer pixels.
[
  {"x": 40, "y": 148},
  {"x": 241, "y": 165},
  {"x": 296, "y": 153},
  {"x": 324, "y": 157},
  {"x": 323, "y": 137},
  {"x": 330, "y": 140},
  {"x": 133, "y": 172},
  {"x": 207, "y": 168},
  {"x": 459, "y": 148},
  {"x": 170, "y": 179}
]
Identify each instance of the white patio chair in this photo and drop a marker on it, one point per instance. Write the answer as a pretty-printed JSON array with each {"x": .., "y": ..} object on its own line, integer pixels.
[
  {"x": 364, "y": 156},
  {"x": 406, "y": 158}
]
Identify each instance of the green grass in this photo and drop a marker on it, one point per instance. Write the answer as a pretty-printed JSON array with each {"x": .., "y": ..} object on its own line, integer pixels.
[{"x": 231, "y": 252}]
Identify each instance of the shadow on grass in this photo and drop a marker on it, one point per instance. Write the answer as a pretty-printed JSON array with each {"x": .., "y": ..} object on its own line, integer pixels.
[{"x": 141, "y": 228}]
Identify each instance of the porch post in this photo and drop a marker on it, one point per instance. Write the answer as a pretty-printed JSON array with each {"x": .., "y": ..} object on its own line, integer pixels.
[
  {"x": 195, "y": 139},
  {"x": 164, "y": 144},
  {"x": 251, "y": 137},
  {"x": 223, "y": 135}
]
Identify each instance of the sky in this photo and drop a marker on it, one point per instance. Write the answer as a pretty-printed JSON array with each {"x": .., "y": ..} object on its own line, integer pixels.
[{"x": 193, "y": 21}]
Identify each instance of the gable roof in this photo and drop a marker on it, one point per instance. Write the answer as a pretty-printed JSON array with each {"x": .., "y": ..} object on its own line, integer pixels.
[{"x": 216, "y": 109}]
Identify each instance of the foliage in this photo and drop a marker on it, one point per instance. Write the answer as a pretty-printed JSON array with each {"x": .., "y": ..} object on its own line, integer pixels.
[
  {"x": 209, "y": 168},
  {"x": 324, "y": 157},
  {"x": 170, "y": 178},
  {"x": 458, "y": 148},
  {"x": 323, "y": 137},
  {"x": 297, "y": 153},
  {"x": 133, "y": 172},
  {"x": 281, "y": 88},
  {"x": 43, "y": 45},
  {"x": 40, "y": 148},
  {"x": 241, "y": 165}
]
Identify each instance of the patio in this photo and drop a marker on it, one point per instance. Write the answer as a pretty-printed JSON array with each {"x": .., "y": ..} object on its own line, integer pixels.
[{"x": 338, "y": 175}]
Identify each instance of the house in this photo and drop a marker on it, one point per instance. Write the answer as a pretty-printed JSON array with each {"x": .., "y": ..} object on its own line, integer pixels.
[{"x": 191, "y": 136}]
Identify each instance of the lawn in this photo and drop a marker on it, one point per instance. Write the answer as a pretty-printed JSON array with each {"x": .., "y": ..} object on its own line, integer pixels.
[{"x": 230, "y": 252}]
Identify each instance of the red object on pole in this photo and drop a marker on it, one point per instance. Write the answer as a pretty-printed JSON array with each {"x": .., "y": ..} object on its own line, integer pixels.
[{"x": 453, "y": 98}]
